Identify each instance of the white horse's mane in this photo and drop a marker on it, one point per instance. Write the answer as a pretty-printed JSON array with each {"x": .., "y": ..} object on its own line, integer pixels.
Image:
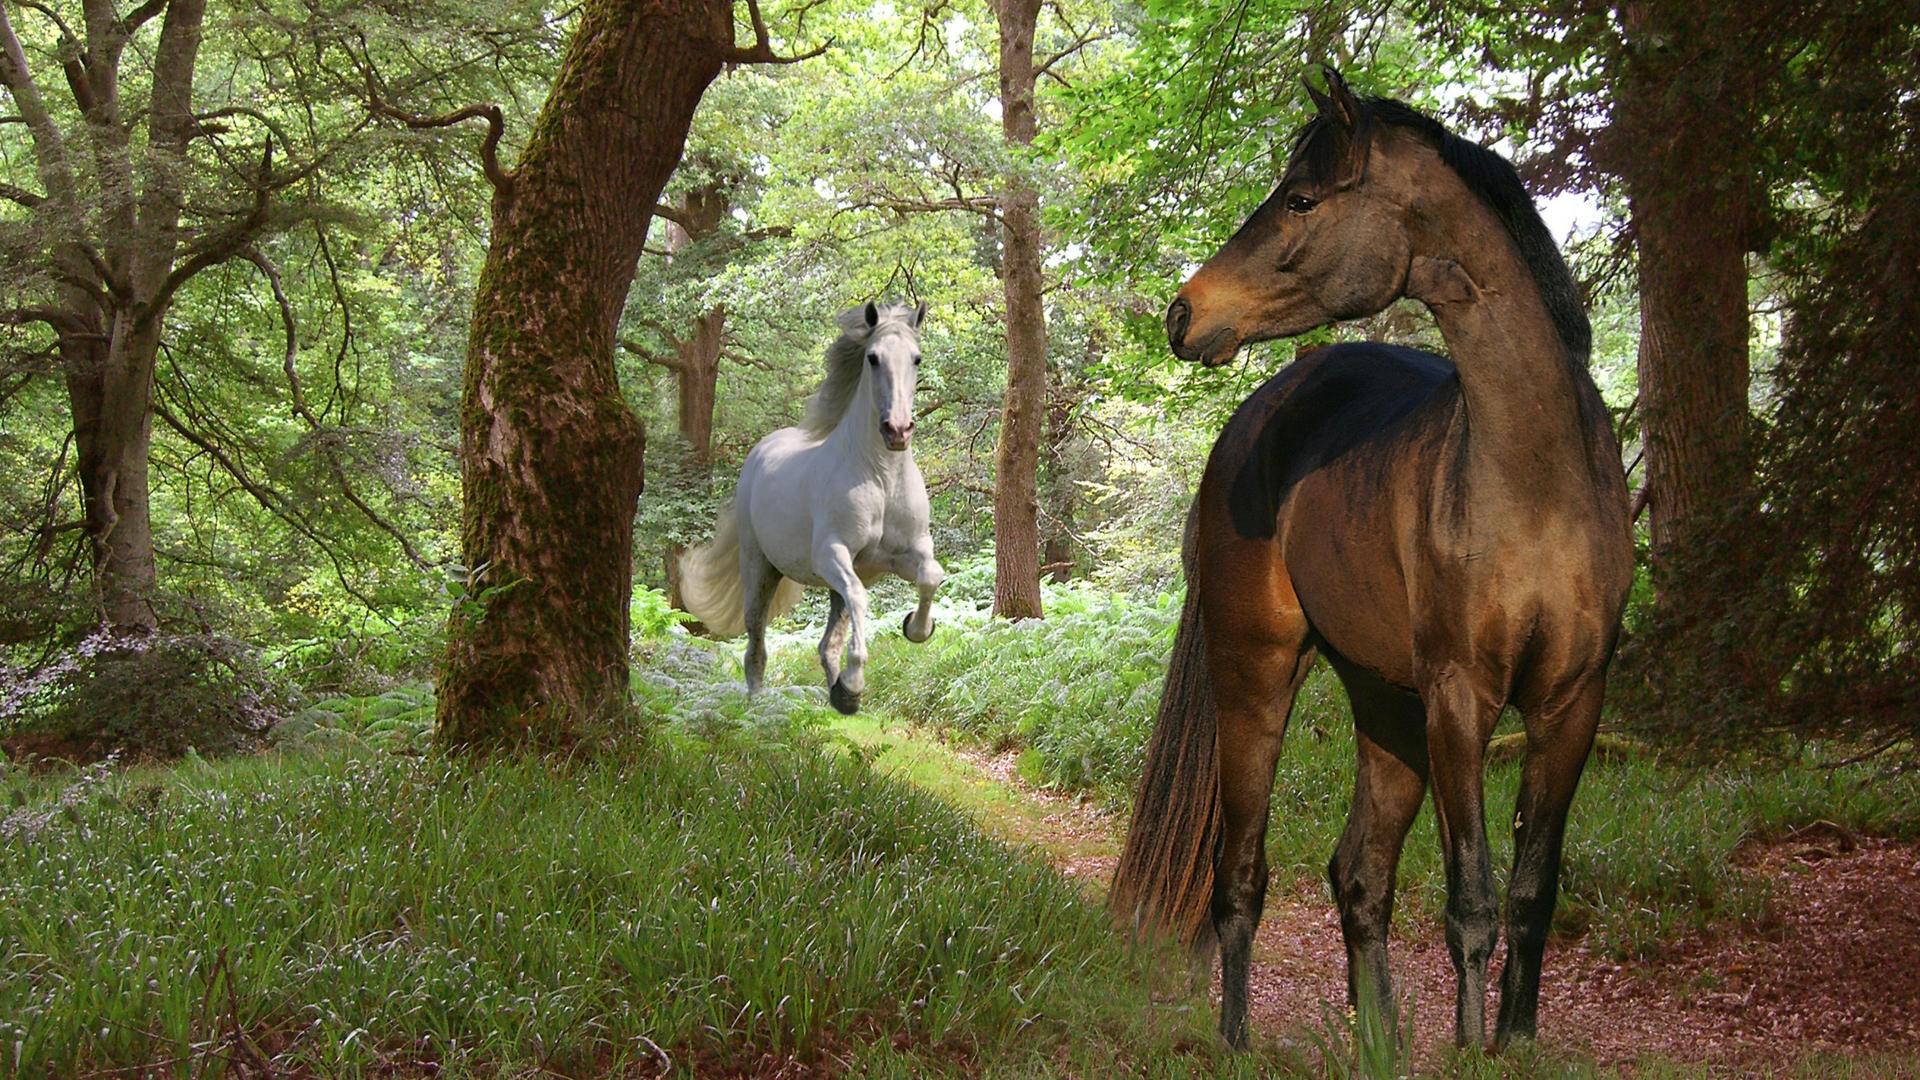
[{"x": 846, "y": 357}]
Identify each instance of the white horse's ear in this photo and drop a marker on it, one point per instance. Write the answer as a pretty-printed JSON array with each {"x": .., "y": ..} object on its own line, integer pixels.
[
  {"x": 920, "y": 315},
  {"x": 873, "y": 315}
]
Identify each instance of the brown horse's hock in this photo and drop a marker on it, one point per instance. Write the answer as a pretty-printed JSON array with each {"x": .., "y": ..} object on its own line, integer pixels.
[{"x": 1451, "y": 535}]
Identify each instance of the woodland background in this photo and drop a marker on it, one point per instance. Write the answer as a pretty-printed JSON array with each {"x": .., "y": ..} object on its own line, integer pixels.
[
  {"x": 243, "y": 250},
  {"x": 363, "y": 366}
]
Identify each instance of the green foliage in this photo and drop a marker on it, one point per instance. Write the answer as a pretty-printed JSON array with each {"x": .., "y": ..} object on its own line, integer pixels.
[
  {"x": 694, "y": 906},
  {"x": 398, "y": 720}
]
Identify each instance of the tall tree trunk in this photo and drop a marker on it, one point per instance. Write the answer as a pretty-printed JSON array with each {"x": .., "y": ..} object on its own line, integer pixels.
[
  {"x": 1058, "y": 488},
  {"x": 550, "y": 454},
  {"x": 1016, "y": 527},
  {"x": 1684, "y": 156}
]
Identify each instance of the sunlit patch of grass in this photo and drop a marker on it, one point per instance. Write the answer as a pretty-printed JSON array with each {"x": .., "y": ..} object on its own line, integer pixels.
[{"x": 695, "y": 901}]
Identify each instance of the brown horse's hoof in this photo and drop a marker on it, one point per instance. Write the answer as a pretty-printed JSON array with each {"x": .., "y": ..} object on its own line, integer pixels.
[
  {"x": 906, "y": 629},
  {"x": 847, "y": 702}
]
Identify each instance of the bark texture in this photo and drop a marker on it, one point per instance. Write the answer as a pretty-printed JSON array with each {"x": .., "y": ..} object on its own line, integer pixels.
[
  {"x": 1016, "y": 527},
  {"x": 550, "y": 454},
  {"x": 1685, "y": 155}
]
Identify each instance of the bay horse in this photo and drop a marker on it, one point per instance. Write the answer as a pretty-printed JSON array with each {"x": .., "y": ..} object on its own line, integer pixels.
[
  {"x": 1451, "y": 534},
  {"x": 836, "y": 500}
]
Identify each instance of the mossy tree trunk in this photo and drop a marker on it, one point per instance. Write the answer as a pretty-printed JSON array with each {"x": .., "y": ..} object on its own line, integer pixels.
[{"x": 550, "y": 453}]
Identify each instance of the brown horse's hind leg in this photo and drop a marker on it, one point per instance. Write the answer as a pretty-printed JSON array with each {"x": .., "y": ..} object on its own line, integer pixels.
[
  {"x": 1459, "y": 719},
  {"x": 1388, "y": 786},
  {"x": 1257, "y": 658},
  {"x": 1557, "y": 746}
]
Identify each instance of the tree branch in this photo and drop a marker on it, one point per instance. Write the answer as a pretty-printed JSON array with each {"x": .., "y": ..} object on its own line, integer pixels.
[
  {"x": 761, "y": 51},
  {"x": 662, "y": 210},
  {"x": 21, "y": 195},
  {"x": 1080, "y": 41},
  {"x": 220, "y": 248},
  {"x": 138, "y": 16},
  {"x": 500, "y": 178},
  {"x": 985, "y": 205},
  {"x": 64, "y": 323}
]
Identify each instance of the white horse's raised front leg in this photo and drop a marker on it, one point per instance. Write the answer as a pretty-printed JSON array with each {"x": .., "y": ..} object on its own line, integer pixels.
[
  {"x": 834, "y": 563},
  {"x": 835, "y": 639},
  {"x": 920, "y": 567}
]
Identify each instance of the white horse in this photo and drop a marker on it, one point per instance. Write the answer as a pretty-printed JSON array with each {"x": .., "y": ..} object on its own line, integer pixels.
[{"x": 836, "y": 501}]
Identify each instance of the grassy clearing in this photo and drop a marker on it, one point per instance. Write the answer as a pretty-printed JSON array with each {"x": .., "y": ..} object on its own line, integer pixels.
[{"x": 698, "y": 902}]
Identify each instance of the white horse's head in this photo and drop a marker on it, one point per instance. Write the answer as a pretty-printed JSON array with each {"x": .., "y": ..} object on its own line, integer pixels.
[{"x": 891, "y": 365}]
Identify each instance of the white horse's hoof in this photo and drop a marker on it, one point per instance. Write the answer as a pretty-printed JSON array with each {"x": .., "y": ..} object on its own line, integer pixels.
[
  {"x": 906, "y": 629},
  {"x": 843, "y": 699}
]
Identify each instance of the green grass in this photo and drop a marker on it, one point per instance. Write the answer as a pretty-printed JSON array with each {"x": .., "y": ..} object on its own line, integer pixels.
[
  {"x": 704, "y": 902},
  {"x": 755, "y": 881}
]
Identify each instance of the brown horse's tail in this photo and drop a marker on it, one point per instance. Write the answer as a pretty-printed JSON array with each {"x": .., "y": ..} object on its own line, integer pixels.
[{"x": 1163, "y": 887}]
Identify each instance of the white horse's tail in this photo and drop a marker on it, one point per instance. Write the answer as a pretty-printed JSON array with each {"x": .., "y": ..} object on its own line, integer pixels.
[{"x": 710, "y": 582}]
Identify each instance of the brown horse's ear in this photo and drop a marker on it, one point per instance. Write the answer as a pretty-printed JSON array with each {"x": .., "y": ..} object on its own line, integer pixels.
[{"x": 1343, "y": 113}]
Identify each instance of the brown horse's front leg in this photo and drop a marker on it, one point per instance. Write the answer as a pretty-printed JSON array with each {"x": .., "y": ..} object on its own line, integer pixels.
[
  {"x": 1460, "y": 716},
  {"x": 1558, "y": 740},
  {"x": 1389, "y": 783}
]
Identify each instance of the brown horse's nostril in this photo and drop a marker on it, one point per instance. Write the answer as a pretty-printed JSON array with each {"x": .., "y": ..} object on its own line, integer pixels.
[{"x": 1179, "y": 313}]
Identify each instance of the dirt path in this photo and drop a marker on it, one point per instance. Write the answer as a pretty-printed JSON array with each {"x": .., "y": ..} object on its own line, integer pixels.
[{"x": 1835, "y": 970}]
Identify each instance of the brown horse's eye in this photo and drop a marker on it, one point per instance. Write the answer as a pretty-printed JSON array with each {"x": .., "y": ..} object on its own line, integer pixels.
[{"x": 1300, "y": 204}]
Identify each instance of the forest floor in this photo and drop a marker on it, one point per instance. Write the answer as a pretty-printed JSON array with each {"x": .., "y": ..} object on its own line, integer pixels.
[{"x": 1833, "y": 971}]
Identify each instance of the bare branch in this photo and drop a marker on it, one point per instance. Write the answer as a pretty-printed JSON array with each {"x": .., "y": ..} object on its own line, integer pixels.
[
  {"x": 138, "y": 16},
  {"x": 267, "y": 269},
  {"x": 1080, "y": 41},
  {"x": 761, "y": 51},
  {"x": 501, "y": 179},
  {"x": 21, "y": 195}
]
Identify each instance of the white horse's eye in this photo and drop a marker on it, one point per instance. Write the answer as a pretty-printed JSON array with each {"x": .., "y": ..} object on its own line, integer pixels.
[
  {"x": 916, "y": 359},
  {"x": 873, "y": 358}
]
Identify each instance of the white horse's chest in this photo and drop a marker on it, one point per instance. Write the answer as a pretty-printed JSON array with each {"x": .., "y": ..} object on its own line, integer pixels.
[{"x": 805, "y": 498}]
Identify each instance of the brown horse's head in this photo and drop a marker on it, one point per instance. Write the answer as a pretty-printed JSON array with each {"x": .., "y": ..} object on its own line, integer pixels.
[{"x": 1332, "y": 242}]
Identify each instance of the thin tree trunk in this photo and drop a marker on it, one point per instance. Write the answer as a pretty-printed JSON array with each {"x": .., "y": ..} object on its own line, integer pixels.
[
  {"x": 550, "y": 454},
  {"x": 1016, "y": 529}
]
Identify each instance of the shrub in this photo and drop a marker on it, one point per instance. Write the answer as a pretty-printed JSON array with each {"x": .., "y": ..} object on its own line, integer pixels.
[{"x": 159, "y": 694}]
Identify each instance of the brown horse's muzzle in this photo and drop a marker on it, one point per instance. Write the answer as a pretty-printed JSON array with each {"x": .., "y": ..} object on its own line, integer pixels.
[{"x": 1213, "y": 348}]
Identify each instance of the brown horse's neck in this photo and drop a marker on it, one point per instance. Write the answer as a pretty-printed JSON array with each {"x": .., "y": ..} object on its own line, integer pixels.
[{"x": 1524, "y": 420}]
